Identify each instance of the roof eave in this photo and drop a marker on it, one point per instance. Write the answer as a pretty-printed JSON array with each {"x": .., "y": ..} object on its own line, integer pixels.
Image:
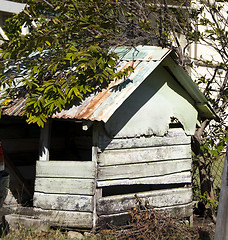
[
  {"x": 202, "y": 105},
  {"x": 206, "y": 111}
]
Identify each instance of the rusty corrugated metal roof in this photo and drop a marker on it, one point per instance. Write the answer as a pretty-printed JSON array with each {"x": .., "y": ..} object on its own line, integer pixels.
[
  {"x": 15, "y": 108},
  {"x": 143, "y": 59}
]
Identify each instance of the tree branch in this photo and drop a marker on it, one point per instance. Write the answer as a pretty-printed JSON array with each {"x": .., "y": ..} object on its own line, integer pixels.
[
  {"x": 76, "y": 8},
  {"x": 50, "y": 5}
]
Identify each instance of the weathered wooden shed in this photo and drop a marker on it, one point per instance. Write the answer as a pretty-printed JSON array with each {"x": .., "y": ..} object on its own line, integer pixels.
[{"x": 132, "y": 138}]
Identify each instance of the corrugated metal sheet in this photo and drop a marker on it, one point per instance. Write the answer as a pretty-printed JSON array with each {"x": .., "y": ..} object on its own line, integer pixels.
[
  {"x": 100, "y": 107},
  {"x": 15, "y": 108}
]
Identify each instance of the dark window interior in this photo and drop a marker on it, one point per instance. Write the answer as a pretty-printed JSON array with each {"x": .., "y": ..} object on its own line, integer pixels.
[
  {"x": 20, "y": 142},
  {"x": 137, "y": 188},
  {"x": 70, "y": 142}
]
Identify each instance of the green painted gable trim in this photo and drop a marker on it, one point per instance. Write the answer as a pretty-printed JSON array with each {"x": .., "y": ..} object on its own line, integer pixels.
[{"x": 201, "y": 103}]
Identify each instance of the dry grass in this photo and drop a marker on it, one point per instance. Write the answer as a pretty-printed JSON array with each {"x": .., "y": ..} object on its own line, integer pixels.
[{"x": 28, "y": 234}]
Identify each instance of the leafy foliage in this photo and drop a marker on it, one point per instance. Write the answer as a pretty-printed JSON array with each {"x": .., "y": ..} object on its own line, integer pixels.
[{"x": 65, "y": 54}]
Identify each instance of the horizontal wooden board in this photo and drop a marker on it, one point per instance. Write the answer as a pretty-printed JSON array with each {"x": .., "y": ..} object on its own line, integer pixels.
[
  {"x": 83, "y": 169},
  {"x": 66, "y": 218},
  {"x": 114, "y": 219},
  {"x": 183, "y": 177},
  {"x": 157, "y": 198},
  {"x": 180, "y": 211},
  {"x": 65, "y": 185},
  {"x": 63, "y": 202},
  {"x": 132, "y": 171},
  {"x": 125, "y": 156},
  {"x": 173, "y": 137}
]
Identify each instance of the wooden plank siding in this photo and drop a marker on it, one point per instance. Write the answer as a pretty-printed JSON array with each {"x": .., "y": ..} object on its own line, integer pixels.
[
  {"x": 149, "y": 169},
  {"x": 67, "y": 218},
  {"x": 66, "y": 169},
  {"x": 67, "y": 202},
  {"x": 180, "y": 211},
  {"x": 175, "y": 136},
  {"x": 183, "y": 177},
  {"x": 157, "y": 199},
  {"x": 71, "y": 185},
  {"x": 145, "y": 160},
  {"x": 66, "y": 189},
  {"x": 74, "y": 188},
  {"x": 142, "y": 155}
]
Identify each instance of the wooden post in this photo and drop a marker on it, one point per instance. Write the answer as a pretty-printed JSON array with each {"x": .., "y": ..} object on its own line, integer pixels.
[
  {"x": 95, "y": 158},
  {"x": 221, "y": 228},
  {"x": 45, "y": 137}
]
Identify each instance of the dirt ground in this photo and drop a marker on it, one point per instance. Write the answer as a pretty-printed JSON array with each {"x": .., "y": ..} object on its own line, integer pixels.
[{"x": 205, "y": 227}]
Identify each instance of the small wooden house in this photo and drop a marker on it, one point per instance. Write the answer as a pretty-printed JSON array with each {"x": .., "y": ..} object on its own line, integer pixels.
[{"x": 132, "y": 138}]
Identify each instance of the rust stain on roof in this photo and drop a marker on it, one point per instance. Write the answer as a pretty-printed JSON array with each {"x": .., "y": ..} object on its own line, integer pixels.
[
  {"x": 100, "y": 106},
  {"x": 15, "y": 108},
  {"x": 87, "y": 108}
]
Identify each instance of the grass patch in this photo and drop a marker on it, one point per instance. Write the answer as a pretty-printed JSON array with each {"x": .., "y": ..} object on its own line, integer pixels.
[{"x": 28, "y": 234}]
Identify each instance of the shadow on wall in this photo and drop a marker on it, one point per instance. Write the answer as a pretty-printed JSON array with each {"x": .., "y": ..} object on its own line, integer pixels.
[{"x": 148, "y": 110}]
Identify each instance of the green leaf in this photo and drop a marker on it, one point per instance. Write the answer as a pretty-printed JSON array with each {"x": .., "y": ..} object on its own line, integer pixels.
[{"x": 48, "y": 43}]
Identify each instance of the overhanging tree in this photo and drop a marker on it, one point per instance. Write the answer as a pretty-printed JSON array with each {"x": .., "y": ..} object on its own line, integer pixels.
[
  {"x": 66, "y": 54},
  {"x": 64, "y": 57}
]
